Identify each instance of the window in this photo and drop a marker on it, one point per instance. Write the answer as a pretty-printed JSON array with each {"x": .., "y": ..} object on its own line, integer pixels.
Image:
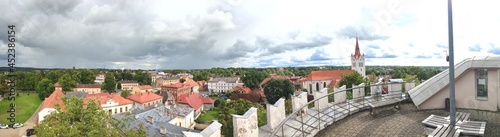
[
  {"x": 353, "y": 64},
  {"x": 310, "y": 88},
  {"x": 482, "y": 83},
  {"x": 324, "y": 84},
  {"x": 360, "y": 64},
  {"x": 317, "y": 86},
  {"x": 121, "y": 110}
]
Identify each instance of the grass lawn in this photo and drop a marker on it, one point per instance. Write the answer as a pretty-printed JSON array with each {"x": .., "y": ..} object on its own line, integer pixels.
[
  {"x": 208, "y": 116},
  {"x": 25, "y": 107}
]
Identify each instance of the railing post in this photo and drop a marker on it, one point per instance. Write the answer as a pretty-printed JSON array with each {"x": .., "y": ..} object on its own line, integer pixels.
[
  {"x": 319, "y": 120},
  {"x": 302, "y": 124}
]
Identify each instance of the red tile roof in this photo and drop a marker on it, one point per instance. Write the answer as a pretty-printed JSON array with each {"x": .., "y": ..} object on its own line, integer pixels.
[
  {"x": 104, "y": 97},
  {"x": 194, "y": 100},
  {"x": 242, "y": 88},
  {"x": 176, "y": 85},
  {"x": 88, "y": 86},
  {"x": 144, "y": 97},
  {"x": 53, "y": 99},
  {"x": 327, "y": 74},
  {"x": 145, "y": 87}
]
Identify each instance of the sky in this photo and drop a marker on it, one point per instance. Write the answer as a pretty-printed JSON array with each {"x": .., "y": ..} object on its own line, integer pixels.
[{"x": 201, "y": 34}]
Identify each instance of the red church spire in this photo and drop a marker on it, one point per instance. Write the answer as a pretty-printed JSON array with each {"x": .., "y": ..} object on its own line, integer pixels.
[{"x": 357, "y": 53}]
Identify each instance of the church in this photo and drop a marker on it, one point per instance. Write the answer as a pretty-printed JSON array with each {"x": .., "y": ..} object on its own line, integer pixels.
[{"x": 317, "y": 80}]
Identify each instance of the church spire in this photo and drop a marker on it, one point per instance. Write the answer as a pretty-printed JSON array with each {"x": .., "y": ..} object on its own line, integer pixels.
[{"x": 357, "y": 53}]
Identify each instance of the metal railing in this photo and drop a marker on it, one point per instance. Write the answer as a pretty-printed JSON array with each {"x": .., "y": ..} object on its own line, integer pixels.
[{"x": 316, "y": 119}]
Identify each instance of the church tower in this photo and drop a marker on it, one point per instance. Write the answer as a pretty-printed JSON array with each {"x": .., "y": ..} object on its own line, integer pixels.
[{"x": 358, "y": 60}]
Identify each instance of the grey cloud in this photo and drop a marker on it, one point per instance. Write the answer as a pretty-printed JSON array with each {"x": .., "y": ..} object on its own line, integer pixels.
[
  {"x": 423, "y": 56},
  {"x": 318, "y": 56},
  {"x": 476, "y": 48},
  {"x": 363, "y": 33},
  {"x": 373, "y": 46},
  {"x": 315, "y": 41},
  {"x": 371, "y": 54},
  {"x": 442, "y": 46},
  {"x": 239, "y": 49}
]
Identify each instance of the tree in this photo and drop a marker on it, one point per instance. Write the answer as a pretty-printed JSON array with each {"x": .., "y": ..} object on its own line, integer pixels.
[
  {"x": 3, "y": 85},
  {"x": 67, "y": 82},
  {"x": 351, "y": 79},
  {"x": 125, "y": 93},
  {"x": 143, "y": 78},
  {"x": 252, "y": 79},
  {"x": 119, "y": 86},
  {"x": 45, "y": 88},
  {"x": 275, "y": 89},
  {"x": 109, "y": 84},
  {"x": 76, "y": 120},
  {"x": 87, "y": 76},
  {"x": 239, "y": 107},
  {"x": 182, "y": 80}
]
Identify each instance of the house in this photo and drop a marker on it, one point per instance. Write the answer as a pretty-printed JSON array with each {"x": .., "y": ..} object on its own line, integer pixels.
[
  {"x": 58, "y": 86},
  {"x": 88, "y": 88},
  {"x": 293, "y": 79},
  {"x": 99, "y": 78},
  {"x": 317, "y": 80},
  {"x": 358, "y": 60},
  {"x": 223, "y": 84},
  {"x": 161, "y": 121},
  {"x": 48, "y": 105},
  {"x": 181, "y": 88},
  {"x": 145, "y": 99},
  {"x": 195, "y": 101},
  {"x": 128, "y": 84},
  {"x": 141, "y": 89},
  {"x": 156, "y": 76},
  {"x": 203, "y": 85},
  {"x": 476, "y": 86},
  {"x": 241, "y": 89},
  {"x": 255, "y": 96},
  {"x": 166, "y": 81},
  {"x": 112, "y": 103}
]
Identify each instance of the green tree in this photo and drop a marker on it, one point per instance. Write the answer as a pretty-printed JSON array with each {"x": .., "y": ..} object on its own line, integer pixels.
[
  {"x": 45, "y": 88},
  {"x": 252, "y": 79},
  {"x": 87, "y": 76},
  {"x": 143, "y": 78},
  {"x": 349, "y": 80},
  {"x": 275, "y": 89},
  {"x": 125, "y": 93},
  {"x": 119, "y": 86},
  {"x": 53, "y": 75},
  {"x": 182, "y": 80},
  {"x": 239, "y": 107},
  {"x": 76, "y": 120},
  {"x": 67, "y": 82},
  {"x": 3, "y": 84},
  {"x": 109, "y": 84}
]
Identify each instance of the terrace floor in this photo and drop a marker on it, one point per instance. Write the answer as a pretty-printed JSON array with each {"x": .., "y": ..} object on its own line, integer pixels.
[{"x": 403, "y": 122}]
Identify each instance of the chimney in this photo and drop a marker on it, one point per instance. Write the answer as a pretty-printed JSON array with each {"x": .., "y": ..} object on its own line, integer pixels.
[
  {"x": 150, "y": 119},
  {"x": 163, "y": 130}
]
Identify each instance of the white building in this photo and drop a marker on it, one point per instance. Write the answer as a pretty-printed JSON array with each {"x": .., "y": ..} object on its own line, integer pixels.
[
  {"x": 99, "y": 79},
  {"x": 358, "y": 60},
  {"x": 222, "y": 85}
]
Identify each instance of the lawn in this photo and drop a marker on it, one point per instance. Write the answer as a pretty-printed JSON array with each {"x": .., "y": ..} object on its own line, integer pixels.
[
  {"x": 26, "y": 105},
  {"x": 208, "y": 116}
]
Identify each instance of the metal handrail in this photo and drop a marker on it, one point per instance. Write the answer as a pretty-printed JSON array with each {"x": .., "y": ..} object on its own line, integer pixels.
[{"x": 292, "y": 115}]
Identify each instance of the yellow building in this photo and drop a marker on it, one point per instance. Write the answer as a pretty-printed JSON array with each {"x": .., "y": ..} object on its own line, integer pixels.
[
  {"x": 166, "y": 81},
  {"x": 88, "y": 88},
  {"x": 129, "y": 84},
  {"x": 141, "y": 89}
]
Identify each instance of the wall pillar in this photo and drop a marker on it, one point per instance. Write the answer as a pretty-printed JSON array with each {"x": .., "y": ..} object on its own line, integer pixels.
[
  {"x": 275, "y": 113},
  {"x": 246, "y": 125}
]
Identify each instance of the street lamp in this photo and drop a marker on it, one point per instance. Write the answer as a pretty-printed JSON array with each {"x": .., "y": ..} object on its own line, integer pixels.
[{"x": 447, "y": 57}]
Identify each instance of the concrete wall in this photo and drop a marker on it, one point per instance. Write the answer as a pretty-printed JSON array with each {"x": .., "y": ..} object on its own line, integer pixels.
[
  {"x": 275, "y": 113},
  {"x": 299, "y": 101},
  {"x": 321, "y": 83},
  {"x": 339, "y": 95},
  {"x": 323, "y": 102},
  {"x": 246, "y": 125},
  {"x": 465, "y": 93}
]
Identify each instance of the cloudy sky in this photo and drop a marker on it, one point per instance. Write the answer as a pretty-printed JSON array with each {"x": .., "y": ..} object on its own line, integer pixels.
[{"x": 193, "y": 34}]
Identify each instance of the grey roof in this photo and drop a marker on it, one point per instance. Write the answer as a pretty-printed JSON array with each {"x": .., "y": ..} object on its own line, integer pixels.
[
  {"x": 77, "y": 94},
  {"x": 160, "y": 120},
  {"x": 225, "y": 79}
]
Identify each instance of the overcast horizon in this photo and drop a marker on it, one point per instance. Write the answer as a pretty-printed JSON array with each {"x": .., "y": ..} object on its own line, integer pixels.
[{"x": 171, "y": 34}]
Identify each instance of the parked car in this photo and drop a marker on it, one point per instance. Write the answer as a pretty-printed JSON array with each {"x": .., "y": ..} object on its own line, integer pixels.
[
  {"x": 16, "y": 125},
  {"x": 4, "y": 126}
]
